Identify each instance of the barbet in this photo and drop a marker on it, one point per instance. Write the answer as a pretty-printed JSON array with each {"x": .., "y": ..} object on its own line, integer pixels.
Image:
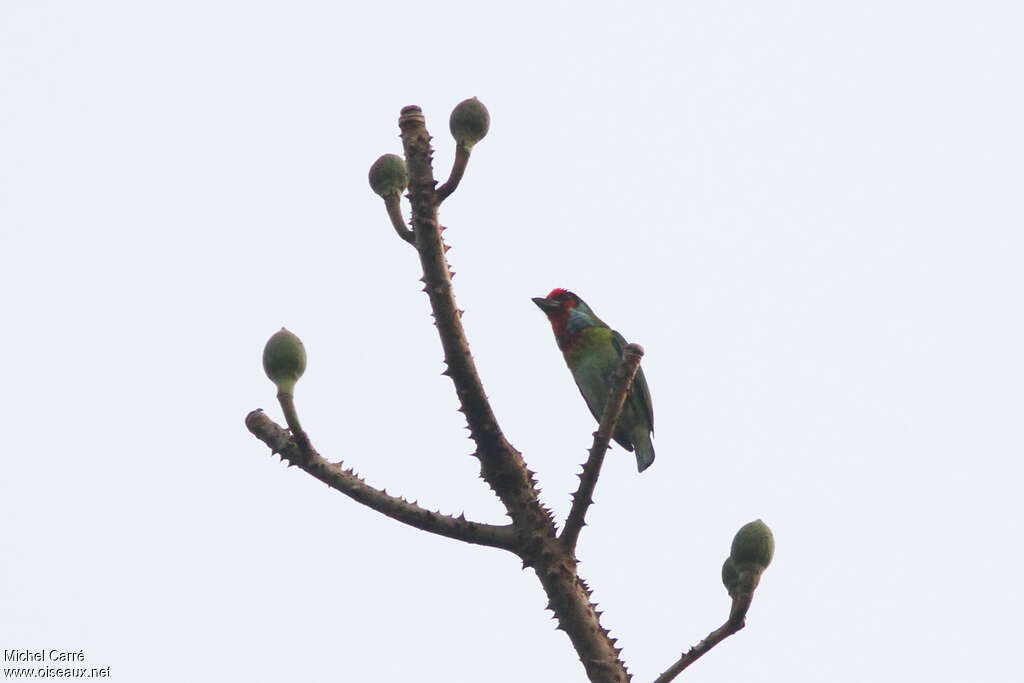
[{"x": 593, "y": 351}]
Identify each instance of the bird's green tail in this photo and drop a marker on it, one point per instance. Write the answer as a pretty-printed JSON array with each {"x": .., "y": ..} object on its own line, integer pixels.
[{"x": 643, "y": 448}]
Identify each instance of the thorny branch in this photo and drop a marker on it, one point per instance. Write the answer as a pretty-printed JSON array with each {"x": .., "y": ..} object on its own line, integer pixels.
[
  {"x": 698, "y": 650},
  {"x": 737, "y": 620},
  {"x": 352, "y": 485},
  {"x": 622, "y": 380},
  {"x": 501, "y": 465}
]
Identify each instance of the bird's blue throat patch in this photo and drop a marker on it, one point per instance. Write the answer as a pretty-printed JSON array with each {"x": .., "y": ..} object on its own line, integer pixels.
[{"x": 577, "y": 321}]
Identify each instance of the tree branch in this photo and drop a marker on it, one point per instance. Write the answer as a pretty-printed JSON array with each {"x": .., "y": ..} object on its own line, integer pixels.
[
  {"x": 622, "y": 380},
  {"x": 741, "y": 599},
  {"x": 569, "y": 598},
  {"x": 291, "y": 418},
  {"x": 501, "y": 465},
  {"x": 455, "y": 177},
  {"x": 349, "y": 483},
  {"x": 698, "y": 650},
  {"x": 393, "y": 204}
]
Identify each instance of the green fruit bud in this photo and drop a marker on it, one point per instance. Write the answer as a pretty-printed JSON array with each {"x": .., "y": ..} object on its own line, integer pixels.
[
  {"x": 469, "y": 122},
  {"x": 730, "y": 577},
  {"x": 284, "y": 360},
  {"x": 388, "y": 175},
  {"x": 753, "y": 544}
]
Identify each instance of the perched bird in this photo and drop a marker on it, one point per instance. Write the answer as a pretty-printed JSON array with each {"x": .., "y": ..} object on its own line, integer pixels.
[{"x": 593, "y": 351}]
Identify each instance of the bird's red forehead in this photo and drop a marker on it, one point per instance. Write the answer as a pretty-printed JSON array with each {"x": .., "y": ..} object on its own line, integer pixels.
[{"x": 558, "y": 293}]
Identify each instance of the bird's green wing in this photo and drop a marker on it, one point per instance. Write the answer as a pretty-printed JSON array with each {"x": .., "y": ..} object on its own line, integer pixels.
[{"x": 639, "y": 382}]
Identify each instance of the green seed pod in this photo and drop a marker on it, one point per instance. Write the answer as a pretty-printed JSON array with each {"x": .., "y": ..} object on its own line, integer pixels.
[
  {"x": 753, "y": 544},
  {"x": 469, "y": 123},
  {"x": 388, "y": 175},
  {"x": 284, "y": 360},
  {"x": 730, "y": 577}
]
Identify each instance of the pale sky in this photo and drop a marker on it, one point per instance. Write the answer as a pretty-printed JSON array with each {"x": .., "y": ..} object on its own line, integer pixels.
[{"x": 807, "y": 213}]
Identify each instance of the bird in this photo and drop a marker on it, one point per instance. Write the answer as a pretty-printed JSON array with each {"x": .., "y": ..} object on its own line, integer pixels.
[{"x": 593, "y": 351}]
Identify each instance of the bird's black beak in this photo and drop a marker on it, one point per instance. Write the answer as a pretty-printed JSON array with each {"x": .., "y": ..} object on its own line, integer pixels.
[{"x": 546, "y": 305}]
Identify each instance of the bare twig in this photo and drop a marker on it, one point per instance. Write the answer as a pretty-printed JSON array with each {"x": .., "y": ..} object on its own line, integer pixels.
[
  {"x": 742, "y": 597},
  {"x": 455, "y": 177},
  {"x": 581, "y": 500},
  {"x": 291, "y": 416},
  {"x": 698, "y": 650},
  {"x": 349, "y": 483},
  {"x": 393, "y": 204}
]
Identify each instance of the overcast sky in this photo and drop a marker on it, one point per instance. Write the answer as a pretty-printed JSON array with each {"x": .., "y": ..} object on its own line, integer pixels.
[{"x": 808, "y": 213}]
